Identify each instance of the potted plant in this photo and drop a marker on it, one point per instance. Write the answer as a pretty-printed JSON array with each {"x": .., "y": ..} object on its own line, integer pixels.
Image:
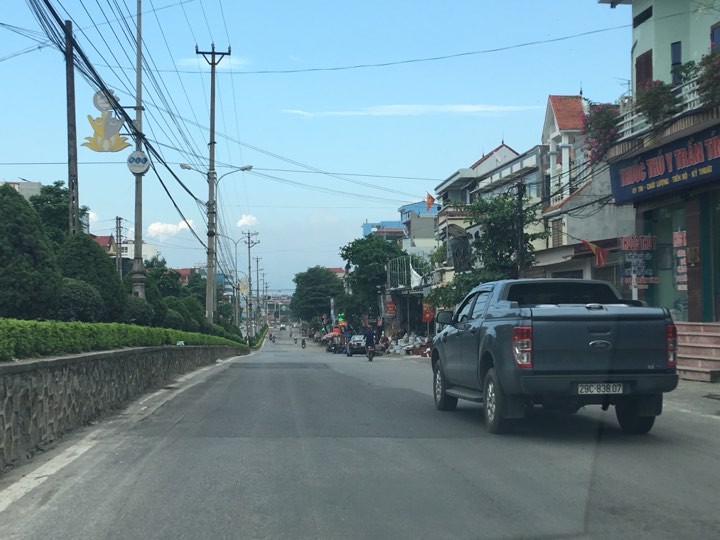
[
  {"x": 709, "y": 79},
  {"x": 600, "y": 130},
  {"x": 656, "y": 101}
]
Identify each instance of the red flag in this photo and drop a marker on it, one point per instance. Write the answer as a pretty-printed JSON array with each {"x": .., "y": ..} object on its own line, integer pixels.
[
  {"x": 429, "y": 201},
  {"x": 600, "y": 253}
]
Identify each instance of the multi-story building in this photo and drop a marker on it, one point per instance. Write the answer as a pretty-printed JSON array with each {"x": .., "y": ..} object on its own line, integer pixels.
[{"x": 669, "y": 174}]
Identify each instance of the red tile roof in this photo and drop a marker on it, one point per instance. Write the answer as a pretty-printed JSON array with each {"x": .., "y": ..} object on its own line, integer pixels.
[
  {"x": 103, "y": 241},
  {"x": 486, "y": 156},
  {"x": 568, "y": 111}
]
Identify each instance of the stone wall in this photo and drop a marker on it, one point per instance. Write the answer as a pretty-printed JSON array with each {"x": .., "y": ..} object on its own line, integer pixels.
[{"x": 40, "y": 400}]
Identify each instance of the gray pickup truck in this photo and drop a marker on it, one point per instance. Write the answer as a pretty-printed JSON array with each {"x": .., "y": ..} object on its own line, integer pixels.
[{"x": 558, "y": 343}]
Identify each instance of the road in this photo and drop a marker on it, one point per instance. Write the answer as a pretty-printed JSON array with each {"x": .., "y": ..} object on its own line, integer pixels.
[{"x": 293, "y": 443}]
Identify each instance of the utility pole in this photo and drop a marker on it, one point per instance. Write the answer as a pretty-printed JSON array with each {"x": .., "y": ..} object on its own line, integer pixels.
[
  {"x": 250, "y": 243},
  {"x": 118, "y": 245},
  {"x": 138, "y": 271},
  {"x": 520, "y": 228},
  {"x": 73, "y": 210},
  {"x": 257, "y": 288},
  {"x": 213, "y": 58}
]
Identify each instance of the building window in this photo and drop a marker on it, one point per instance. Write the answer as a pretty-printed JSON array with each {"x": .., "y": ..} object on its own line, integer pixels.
[
  {"x": 556, "y": 228},
  {"x": 676, "y": 62},
  {"x": 715, "y": 38},
  {"x": 643, "y": 69},
  {"x": 642, "y": 17}
]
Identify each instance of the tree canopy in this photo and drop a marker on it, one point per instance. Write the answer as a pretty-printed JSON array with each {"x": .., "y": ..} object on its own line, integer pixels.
[
  {"x": 51, "y": 204},
  {"x": 30, "y": 281},
  {"x": 368, "y": 257},
  {"x": 80, "y": 257},
  {"x": 313, "y": 291}
]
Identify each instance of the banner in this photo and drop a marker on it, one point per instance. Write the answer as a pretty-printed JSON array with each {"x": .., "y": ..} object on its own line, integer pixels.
[{"x": 428, "y": 313}]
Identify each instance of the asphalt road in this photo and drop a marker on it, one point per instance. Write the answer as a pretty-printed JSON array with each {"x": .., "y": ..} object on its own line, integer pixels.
[{"x": 292, "y": 443}]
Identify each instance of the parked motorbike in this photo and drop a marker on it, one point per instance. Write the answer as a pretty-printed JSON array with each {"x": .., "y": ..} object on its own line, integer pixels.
[
  {"x": 370, "y": 352},
  {"x": 302, "y": 343}
]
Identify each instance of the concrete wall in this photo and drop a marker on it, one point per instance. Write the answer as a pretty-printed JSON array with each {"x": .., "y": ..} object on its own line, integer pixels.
[{"x": 41, "y": 400}]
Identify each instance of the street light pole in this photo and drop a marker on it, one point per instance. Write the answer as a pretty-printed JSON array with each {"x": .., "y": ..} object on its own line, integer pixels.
[
  {"x": 211, "y": 289},
  {"x": 236, "y": 303}
]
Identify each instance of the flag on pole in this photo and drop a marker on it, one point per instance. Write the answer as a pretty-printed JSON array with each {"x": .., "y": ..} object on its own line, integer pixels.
[
  {"x": 600, "y": 253},
  {"x": 429, "y": 201}
]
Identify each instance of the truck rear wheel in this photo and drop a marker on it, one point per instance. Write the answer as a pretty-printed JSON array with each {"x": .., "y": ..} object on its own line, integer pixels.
[
  {"x": 494, "y": 403},
  {"x": 630, "y": 420}
]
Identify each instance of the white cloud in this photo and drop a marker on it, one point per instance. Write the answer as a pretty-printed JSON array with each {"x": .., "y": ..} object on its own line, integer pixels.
[
  {"x": 92, "y": 217},
  {"x": 418, "y": 110},
  {"x": 160, "y": 230},
  {"x": 247, "y": 219}
]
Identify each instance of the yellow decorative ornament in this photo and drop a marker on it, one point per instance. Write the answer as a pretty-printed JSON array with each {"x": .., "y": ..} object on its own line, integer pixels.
[{"x": 106, "y": 128}]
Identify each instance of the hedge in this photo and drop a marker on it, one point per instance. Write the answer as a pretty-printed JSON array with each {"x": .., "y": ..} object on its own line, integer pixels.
[{"x": 28, "y": 339}]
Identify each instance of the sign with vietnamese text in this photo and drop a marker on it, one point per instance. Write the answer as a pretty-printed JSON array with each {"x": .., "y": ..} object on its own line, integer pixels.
[
  {"x": 637, "y": 252},
  {"x": 669, "y": 168}
]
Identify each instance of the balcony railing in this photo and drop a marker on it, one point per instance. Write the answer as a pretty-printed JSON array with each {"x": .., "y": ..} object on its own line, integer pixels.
[{"x": 631, "y": 123}]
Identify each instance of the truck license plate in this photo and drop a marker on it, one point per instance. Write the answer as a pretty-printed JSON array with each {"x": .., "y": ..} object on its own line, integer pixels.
[{"x": 600, "y": 388}]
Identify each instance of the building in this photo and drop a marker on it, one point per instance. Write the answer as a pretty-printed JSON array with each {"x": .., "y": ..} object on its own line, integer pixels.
[
  {"x": 669, "y": 174},
  {"x": 419, "y": 221},
  {"x": 25, "y": 188},
  {"x": 127, "y": 250}
]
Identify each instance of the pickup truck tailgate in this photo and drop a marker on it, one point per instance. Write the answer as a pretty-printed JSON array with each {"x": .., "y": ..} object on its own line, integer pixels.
[{"x": 598, "y": 339}]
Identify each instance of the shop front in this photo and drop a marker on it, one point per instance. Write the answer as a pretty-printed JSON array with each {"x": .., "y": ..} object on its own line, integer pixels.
[{"x": 673, "y": 260}]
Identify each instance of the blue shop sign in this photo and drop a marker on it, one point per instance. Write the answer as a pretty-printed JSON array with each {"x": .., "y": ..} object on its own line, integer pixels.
[{"x": 667, "y": 169}]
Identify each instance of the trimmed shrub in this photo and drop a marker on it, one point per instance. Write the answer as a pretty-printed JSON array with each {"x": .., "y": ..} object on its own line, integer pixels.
[
  {"x": 27, "y": 339},
  {"x": 138, "y": 311},
  {"x": 174, "y": 319},
  {"x": 79, "y": 301}
]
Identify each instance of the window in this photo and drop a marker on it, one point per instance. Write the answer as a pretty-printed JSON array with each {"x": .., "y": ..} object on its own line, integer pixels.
[
  {"x": 715, "y": 38},
  {"x": 643, "y": 69},
  {"x": 556, "y": 227},
  {"x": 463, "y": 314},
  {"x": 480, "y": 304},
  {"x": 676, "y": 62}
]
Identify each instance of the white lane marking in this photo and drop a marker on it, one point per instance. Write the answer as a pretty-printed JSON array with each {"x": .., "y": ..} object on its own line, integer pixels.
[
  {"x": 694, "y": 413},
  {"x": 26, "y": 484}
]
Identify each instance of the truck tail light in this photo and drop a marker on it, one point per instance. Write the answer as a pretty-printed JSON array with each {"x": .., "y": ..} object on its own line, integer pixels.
[
  {"x": 671, "y": 346},
  {"x": 522, "y": 346}
]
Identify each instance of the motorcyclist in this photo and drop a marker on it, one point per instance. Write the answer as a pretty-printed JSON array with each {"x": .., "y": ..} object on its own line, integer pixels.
[
  {"x": 369, "y": 342},
  {"x": 295, "y": 340},
  {"x": 302, "y": 343}
]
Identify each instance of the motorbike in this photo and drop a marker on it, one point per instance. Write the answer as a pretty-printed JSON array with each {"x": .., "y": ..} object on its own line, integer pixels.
[
  {"x": 302, "y": 343},
  {"x": 295, "y": 340},
  {"x": 370, "y": 352}
]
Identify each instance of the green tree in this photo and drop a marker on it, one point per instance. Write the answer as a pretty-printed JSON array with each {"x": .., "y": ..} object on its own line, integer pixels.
[
  {"x": 52, "y": 205},
  {"x": 79, "y": 301},
  {"x": 80, "y": 257},
  {"x": 313, "y": 290},
  {"x": 167, "y": 280},
  {"x": 368, "y": 258},
  {"x": 498, "y": 250},
  {"x": 139, "y": 311},
  {"x": 30, "y": 280}
]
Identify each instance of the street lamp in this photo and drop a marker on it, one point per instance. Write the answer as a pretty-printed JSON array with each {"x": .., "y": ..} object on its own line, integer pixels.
[
  {"x": 237, "y": 279},
  {"x": 210, "y": 293}
]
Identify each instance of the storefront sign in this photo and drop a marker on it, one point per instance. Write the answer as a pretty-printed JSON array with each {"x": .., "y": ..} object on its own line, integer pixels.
[
  {"x": 680, "y": 263},
  {"x": 389, "y": 308},
  {"x": 669, "y": 168},
  {"x": 637, "y": 254},
  {"x": 428, "y": 313}
]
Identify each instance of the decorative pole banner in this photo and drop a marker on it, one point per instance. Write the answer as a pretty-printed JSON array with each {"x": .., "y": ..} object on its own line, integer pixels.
[{"x": 106, "y": 128}]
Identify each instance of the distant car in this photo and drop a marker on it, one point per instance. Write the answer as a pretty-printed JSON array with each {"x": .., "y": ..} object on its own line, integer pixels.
[
  {"x": 282, "y": 327},
  {"x": 356, "y": 345}
]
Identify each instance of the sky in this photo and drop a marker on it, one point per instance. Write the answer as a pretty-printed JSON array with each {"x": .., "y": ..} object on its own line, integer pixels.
[{"x": 345, "y": 110}]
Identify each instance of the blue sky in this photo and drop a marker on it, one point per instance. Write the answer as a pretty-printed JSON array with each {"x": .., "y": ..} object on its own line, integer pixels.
[{"x": 388, "y": 134}]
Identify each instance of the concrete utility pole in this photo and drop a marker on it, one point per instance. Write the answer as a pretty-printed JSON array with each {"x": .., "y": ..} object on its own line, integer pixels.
[
  {"x": 138, "y": 271},
  {"x": 250, "y": 243},
  {"x": 521, "y": 228},
  {"x": 257, "y": 289},
  {"x": 213, "y": 58},
  {"x": 73, "y": 207},
  {"x": 118, "y": 245}
]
